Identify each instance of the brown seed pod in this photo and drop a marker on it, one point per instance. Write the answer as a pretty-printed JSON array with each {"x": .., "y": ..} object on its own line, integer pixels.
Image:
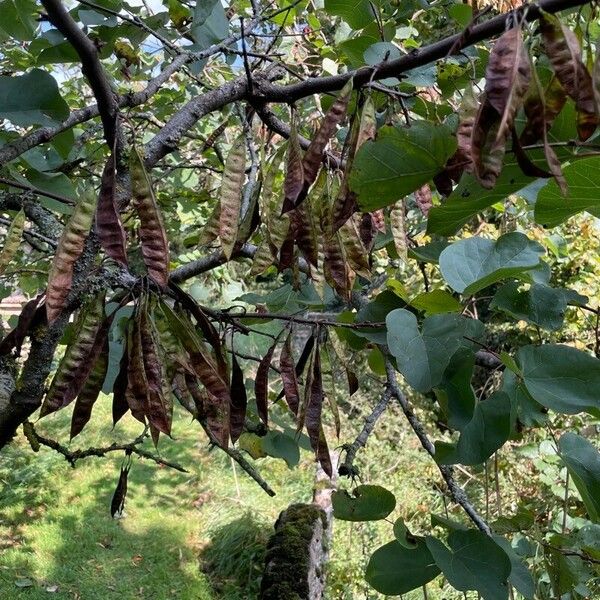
[
  {"x": 12, "y": 240},
  {"x": 230, "y": 198},
  {"x": 155, "y": 246},
  {"x": 75, "y": 364},
  {"x": 108, "y": 222},
  {"x": 69, "y": 249}
]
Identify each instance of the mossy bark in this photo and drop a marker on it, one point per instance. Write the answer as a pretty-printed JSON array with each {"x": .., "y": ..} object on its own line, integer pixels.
[{"x": 296, "y": 554}]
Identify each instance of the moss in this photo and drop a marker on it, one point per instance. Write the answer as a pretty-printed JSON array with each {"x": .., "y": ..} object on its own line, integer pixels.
[{"x": 287, "y": 556}]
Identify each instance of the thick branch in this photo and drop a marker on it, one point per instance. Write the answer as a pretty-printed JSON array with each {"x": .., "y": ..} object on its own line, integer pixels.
[
  {"x": 90, "y": 66},
  {"x": 418, "y": 58}
]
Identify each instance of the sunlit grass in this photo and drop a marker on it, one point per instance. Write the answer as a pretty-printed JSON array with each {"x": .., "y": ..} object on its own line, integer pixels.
[{"x": 196, "y": 535}]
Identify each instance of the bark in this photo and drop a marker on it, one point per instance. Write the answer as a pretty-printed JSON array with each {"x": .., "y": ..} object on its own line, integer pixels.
[{"x": 298, "y": 551}]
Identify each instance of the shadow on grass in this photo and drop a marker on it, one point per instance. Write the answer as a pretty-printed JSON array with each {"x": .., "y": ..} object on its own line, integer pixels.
[
  {"x": 234, "y": 558},
  {"x": 56, "y": 533}
]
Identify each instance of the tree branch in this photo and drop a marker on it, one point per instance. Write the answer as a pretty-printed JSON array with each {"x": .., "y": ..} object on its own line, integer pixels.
[
  {"x": 347, "y": 467},
  {"x": 73, "y": 457},
  {"x": 456, "y": 492},
  {"x": 90, "y": 66},
  {"x": 418, "y": 58}
]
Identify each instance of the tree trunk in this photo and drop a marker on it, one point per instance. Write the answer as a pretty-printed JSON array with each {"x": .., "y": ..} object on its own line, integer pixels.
[{"x": 298, "y": 551}]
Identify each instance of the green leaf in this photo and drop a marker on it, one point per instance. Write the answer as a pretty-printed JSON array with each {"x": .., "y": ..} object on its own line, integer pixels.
[
  {"x": 279, "y": 445},
  {"x": 487, "y": 431},
  {"x": 403, "y": 536},
  {"x": 470, "y": 198},
  {"x": 435, "y": 302},
  {"x": 367, "y": 503},
  {"x": 423, "y": 357},
  {"x": 18, "y": 19},
  {"x": 394, "y": 569},
  {"x": 31, "y": 99},
  {"x": 455, "y": 392},
  {"x": 552, "y": 208},
  {"x": 473, "y": 562},
  {"x": 541, "y": 304},
  {"x": 520, "y": 577},
  {"x": 561, "y": 378},
  {"x": 583, "y": 463},
  {"x": 461, "y": 13},
  {"x": 357, "y": 13},
  {"x": 399, "y": 162},
  {"x": 472, "y": 264}
]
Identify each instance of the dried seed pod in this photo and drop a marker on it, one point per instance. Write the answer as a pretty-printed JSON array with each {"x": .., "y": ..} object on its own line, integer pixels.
[
  {"x": 88, "y": 395},
  {"x": 263, "y": 258},
  {"x": 232, "y": 186},
  {"x": 155, "y": 246},
  {"x": 315, "y": 152},
  {"x": 120, "y": 404},
  {"x": 507, "y": 79},
  {"x": 354, "y": 249},
  {"x": 397, "y": 222},
  {"x": 337, "y": 271},
  {"x": 210, "y": 231},
  {"x": 562, "y": 48},
  {"x": 69, "y": 249},
  {"x": 108, "y": 222},
  {"x": 75, "y": 364},
  {"x": 288, "y": 376},
  {"x": 239, "y": 400},
  {"x": 487, "y": 149},
  {"x": 30, "y": 315},
  {"x": 12, "y": 240},
  {"x": 294, "y": 171},
  {"x": 314, "y": 426},
  {"x": 261, "y": 384}
]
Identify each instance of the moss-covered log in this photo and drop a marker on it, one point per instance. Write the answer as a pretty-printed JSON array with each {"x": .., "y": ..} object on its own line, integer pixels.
[{"x": 296, "y": 555}]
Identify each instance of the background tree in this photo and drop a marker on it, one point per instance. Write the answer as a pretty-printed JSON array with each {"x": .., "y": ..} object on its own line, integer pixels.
[{"x": 379, "y": 164}]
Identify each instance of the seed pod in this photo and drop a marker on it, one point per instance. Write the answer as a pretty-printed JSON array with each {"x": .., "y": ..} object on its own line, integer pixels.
[
  {"x": 69, "y": 249},
  {"x": 261, "y": 384},
  {"x": 487, "y": 149},
  {"x": 305, "y": 232},
  {"x": 562, "y": 48},
  {"x": 120, "y": 405},
  {"x": 153, "y": 237},
  {"x": 210, "y": 231},
  {"x": 108, "y": 222},
  {"x": 29, "y": 433},
  {"x": 263, "y": 258},
  {"x": 64, "y": 387},
  {"x": 137, "y": 388},
  {"x": 314, "y": 154},
  {"x": 337, "y": 271},
  {"x": 157, "y": 407},
  {"x": 88, "y": 395},
  {"x": 397, "y": 222},
  {"x": 507, "y": 79},
  {"x": 231, "y": 195},
  {"x": 294, "y": 172},
  {"x": 118, "y": 500},
  {"x": 314, "y": 409},
  {"x": 288, "y": 376},
  {"x": 239, "y": 400},
  {"x": 31, "y": 314},
  {"x": 356, "y": 254},
  {"x": 12, "y": 240}
]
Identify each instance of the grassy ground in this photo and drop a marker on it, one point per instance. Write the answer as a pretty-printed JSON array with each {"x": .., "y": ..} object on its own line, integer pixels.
[{"x": 188, "y": 536}]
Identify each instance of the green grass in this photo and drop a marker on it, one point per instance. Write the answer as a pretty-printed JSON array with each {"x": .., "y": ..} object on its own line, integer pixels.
[{"x": 188, "y": 536}]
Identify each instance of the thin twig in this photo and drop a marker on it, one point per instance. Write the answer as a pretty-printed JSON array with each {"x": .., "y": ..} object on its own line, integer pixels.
[
  {"x": 347, "y": 467},
  {"x": 73, "y": 457}
]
